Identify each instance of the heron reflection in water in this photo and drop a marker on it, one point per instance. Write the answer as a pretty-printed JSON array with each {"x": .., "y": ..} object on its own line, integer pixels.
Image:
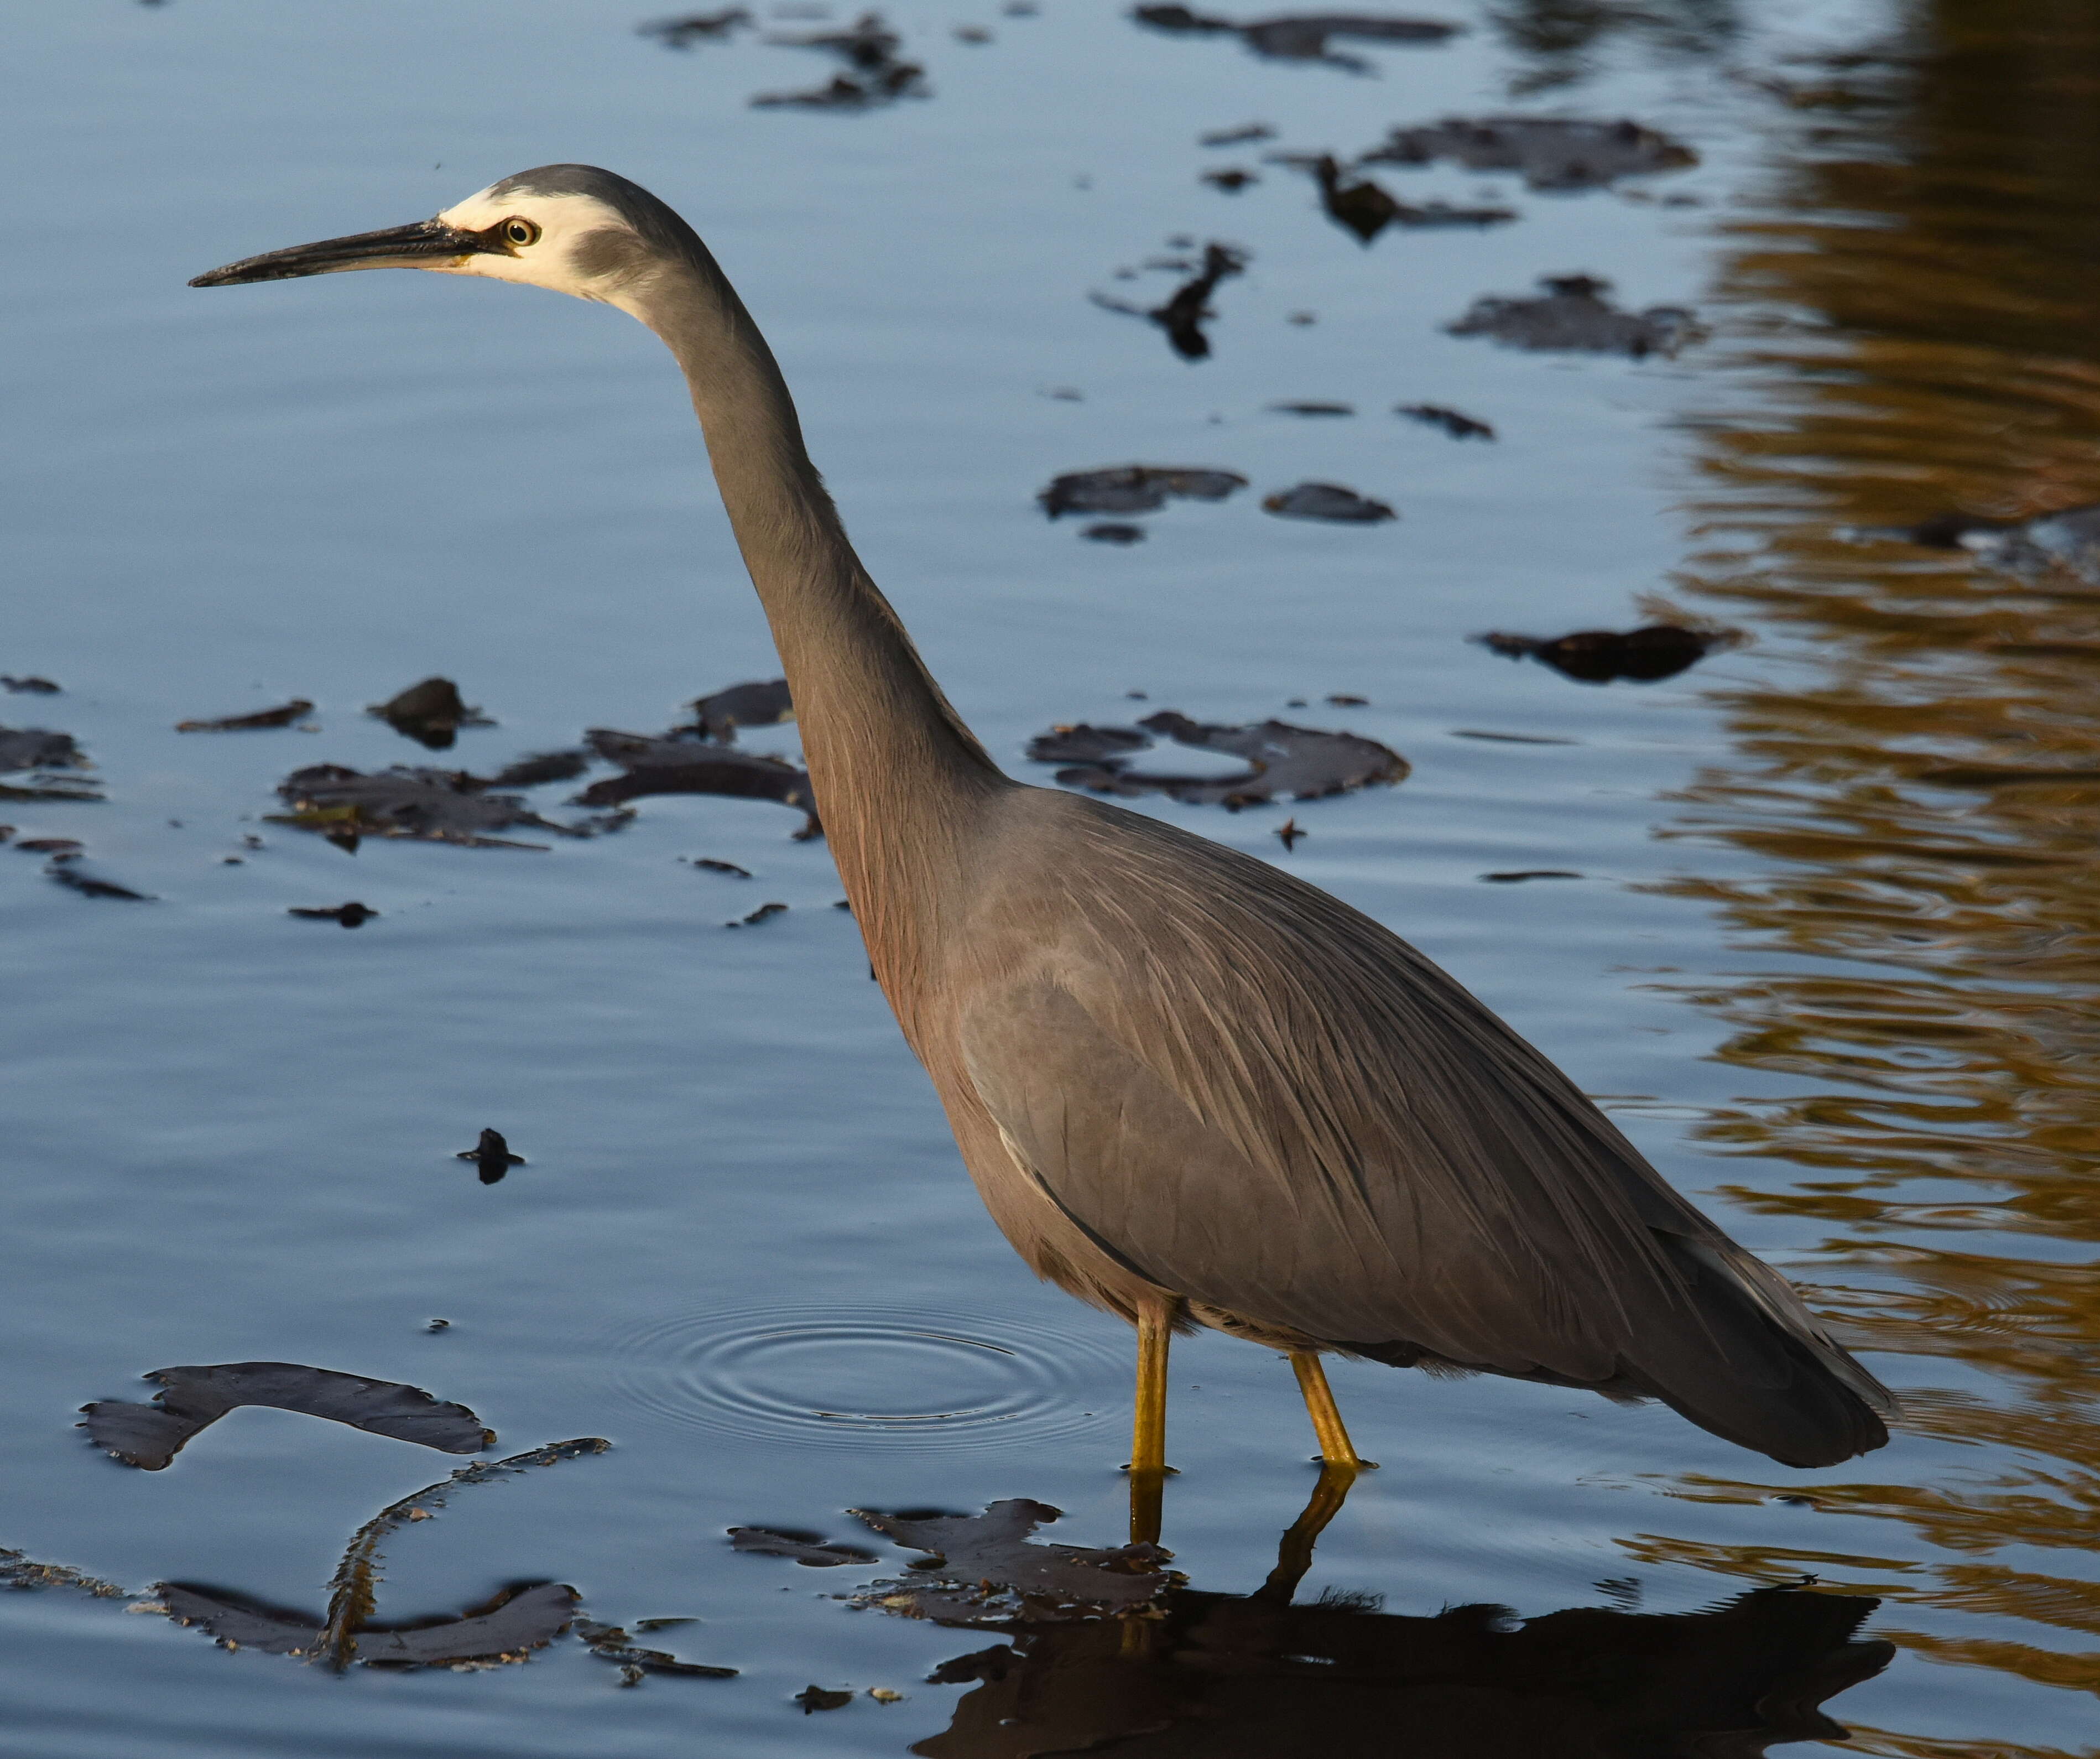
[{"x": 1191, "y": 1088}]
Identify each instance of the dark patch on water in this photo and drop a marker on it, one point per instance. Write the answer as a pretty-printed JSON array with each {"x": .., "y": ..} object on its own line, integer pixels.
[
  {"x": 503, "y": 1629},
  {"x": 611, "y": 1642},
  {"x": 1113, "y": 531},
  {"x": 1558, "y": 153},
  {"x": 1516, "y": 876},
  {"x": 491, "y": 1156},
  {"x": 757, "y": 703},
  {"x": 765, "y": 912},
  {"x": 1601, "y": 656},
  {"x": 1289, "y": 834},
  {"x": 427, "y": 805},
  {"x": 1184, "y": 314},
  {"x": 1300, "y": 36},
  {"x": 34, "y": 747},
  {"x": 1135, "y": 489},
  {"x": 535, "y": 769},
  {"x": 2067, "y": 539},
  {"x": 284, "y": 715},
  {"x": 1327, "y": 501},
  {"x": 64, "y": 870},
  {"x": 812, "y": 1697},
  {"x": 1365, "y": 209},
  {"x": 672, "y": 764},
  {"x": 811, "y": 1549},
  {"x": 983, "y": 1567},
  {"x": 691, "y": 27},
  {"x": 1455, "y": 423},
  {"x": 28, "y": 686},
  {"x": 26, "y": 1575},
  {"x": 192, "y": 1399},
  {"x": 1246, "y": 134},
  {"x": 1299, "y": 763},
  {"x": 430, "y": 713},
  {"x": 1313, "y": 408},
  {"x": 875, "y": 74},
  {"x": 1574, "y": 314},
  {"x": 47, "y": 845},
  {"x": 351, "y": 915},
  {"x": 1231, "y": 178},
  {"x": 714, "y": 866}
]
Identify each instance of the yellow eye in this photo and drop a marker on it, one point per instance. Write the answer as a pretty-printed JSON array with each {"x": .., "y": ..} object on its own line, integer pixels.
[{"x": 520, "y": 232}]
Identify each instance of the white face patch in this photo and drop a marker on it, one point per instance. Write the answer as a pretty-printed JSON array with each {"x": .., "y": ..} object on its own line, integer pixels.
[{"x": 548, "y": 261}]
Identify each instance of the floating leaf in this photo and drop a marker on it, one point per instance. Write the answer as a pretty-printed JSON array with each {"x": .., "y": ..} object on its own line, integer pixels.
[
  {"x": 63, "y": 869},
  {"x": 29, "y": 686},
  {"x": 755, "y": 703},
  {"x": 683, "y": 32},
  {"x": 809, "y": 1549},
  {"x": 672, "y": 765},
  {"x": 430, "y": 713},
  {"x": 987, "y": 1569},
  {"x": 32, "y": 747},
  {"x": 492, "y": 1155},
  {"x": 1553, "y": 153},
  {"x": 1365, "y": 209},
  {"x": 1327, "y": 501},
  {"x": 610, "y": 1643},
  {"x": 1573, "y": 314},
  {"x": 506, "y": 1629},
  {"x": 18, "y": 1571},
  {"x": 1300, "y": 36},
  {"x": 1599, "y": 655},
  {"x": 351, "y": 915},
  {"x": 875, "y": 76},
  {"x": 1135, "y": 489},
  {"x": 537, "y": 768},
  {"x": 191, "y": 1398},
  {"x": 812, "y": 1697},
  {"x": 1113, "y": 531},
  {"x": 2067, "y": 539},
  {"x": 1184, "y": 314},
  {"x": 1299, "y": 763},
  {"x": 284, "y": 715},
  {"x": 429, "y": 806},
  {"x": 1457, "y": 426},
  {"x": 1246, "y": 134}
]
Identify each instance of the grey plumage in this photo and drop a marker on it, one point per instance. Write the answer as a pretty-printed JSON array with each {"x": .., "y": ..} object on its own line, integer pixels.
[{"x": 1183, "y": 1081}]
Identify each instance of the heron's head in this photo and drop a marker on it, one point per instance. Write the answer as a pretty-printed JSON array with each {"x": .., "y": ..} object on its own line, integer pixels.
[{"x": 572, "y": 229}]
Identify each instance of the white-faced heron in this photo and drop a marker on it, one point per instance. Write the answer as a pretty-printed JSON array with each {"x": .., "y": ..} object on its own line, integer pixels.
[{"x": 1191, "y": 1088}]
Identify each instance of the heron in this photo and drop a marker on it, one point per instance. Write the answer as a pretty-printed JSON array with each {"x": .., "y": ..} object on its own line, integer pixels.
[{"x": 1191, "y": 1088}]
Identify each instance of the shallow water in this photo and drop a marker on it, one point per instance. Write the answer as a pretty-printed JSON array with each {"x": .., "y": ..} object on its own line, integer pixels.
[{"x": 1842, "y": 1000}]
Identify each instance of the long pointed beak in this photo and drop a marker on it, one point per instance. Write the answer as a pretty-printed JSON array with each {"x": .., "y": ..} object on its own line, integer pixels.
[{"x": 424, "y": 244}]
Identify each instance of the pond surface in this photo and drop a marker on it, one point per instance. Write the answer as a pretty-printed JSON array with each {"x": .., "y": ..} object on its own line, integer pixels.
[{"x": 1826, "y": 945}]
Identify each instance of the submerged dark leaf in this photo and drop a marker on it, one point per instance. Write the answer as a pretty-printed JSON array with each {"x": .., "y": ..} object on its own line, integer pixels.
[
  {"x": 690, "y": 28},
  {"x": 1298, "y": 763},
  {"x": 17, "y": 1571},
  {"x": 351, "y": 915},
  {"x": 1113, "y": 531},
  {"x": 2068, "y": 539},
  {"x": 1365, "y": 209},
  {"x": 430, "y": 805},
  {"x": 610, "y": 1643},
  {"x": 1184, "y": 314},
  {"x": 1230, "y": 178},
  {"x": 48, "y": 845},
  {"x": 1246, "y": 134},
  {"x": 986, "y": 1569},
  {"x": 491, "y": 1154},
  {"x": 504, "y": 1629},
  {"x": 32, "y": 748},
  {"x": 284, "y": 715},
  {"x": 809, "y": 1549},
  {"x": 1457, "y": 426},
  {"x": 28, "y": 686},
  {"x": 1313, "y": 408},
  {"x": 1300, "y": 36},
  {"x": 1553, "y": 153},
  {"x": 191, "y": 1398},
  {"x": 812, "y": 1697},
  {"x": 62, "y": 869},
  {"x": 1327, "y": 501},
  {"x": 1135, "y": 489},
  {"x": 537, "y": 768},
  {"x": 714, "y": 866},
  {"x": 672, "y": 765},
  {"x": 1599, "y": 656},
  {"x": 1573, "y": 314},
  {"x": 1519, "y": 874},
  {"x": 875, "y": 76},
  {"x": 755, "y": 703},
  {"x": 763, "y": 913},
  {"x": 430, "y": 713}
]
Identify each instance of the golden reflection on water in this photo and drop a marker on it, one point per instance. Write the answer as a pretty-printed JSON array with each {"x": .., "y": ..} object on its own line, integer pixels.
[{"x": 1911, "y": 325}]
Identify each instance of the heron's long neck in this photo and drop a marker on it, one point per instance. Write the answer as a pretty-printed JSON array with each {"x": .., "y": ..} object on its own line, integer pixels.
[{"x": 898, "y": 777}]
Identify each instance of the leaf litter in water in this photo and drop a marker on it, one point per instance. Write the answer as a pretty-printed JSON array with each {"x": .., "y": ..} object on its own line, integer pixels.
[
  {"x": 758, "y": 703},
  {"x": 1327, "y": 501},
  {"x": 690, "y": 28},
  {"x": 673, "y": 763},
  {"x": 65, "y": 870},
  {"x": 1557, "y": 153},
  {"x": 1601, "y": 656},
  {"x": 811, "y": 1549},
  {"x": 875, "y": 75},
  {"x": 1185, "y": 312},
  {"x": 23, "y": 1573},
  {"x": 191, "y": 1399},
  {"x": 2068, "y": 539},
  {"x": 1135, "y": 489},
  {"x": 1299, "y": 763},
  {"x": 1300, "y": 36},
  {"x": 36, "y": 748},
  {"x": 1454, "y": 422},
  {"x": 610, "y": 1643},
  {"x": 1360, "y": 207},
  {"x": 493, "y": 1157},
  {"x": 982, "y": 1568},
  {"x": 503, "y": 1629},
  {"x": 284, "y": 715},
  {"x": 351, "y": 915},
  {"x": 430, "y": 713},
  {"x": 28, "y": 686},
  {"x": 1573, "y": 314},
  {"x": 427, "y": 806}
]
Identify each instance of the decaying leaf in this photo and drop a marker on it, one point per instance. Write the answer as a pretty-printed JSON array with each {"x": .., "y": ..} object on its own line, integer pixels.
[
  {"x": 610, "y": 1643},
  {"x": 18, "y": 1571},
  {"x": 1327, "y": 501},
  {"x": 690, "y": 28},
  {"x": 1553, "y": 153},
  {"x": 430, "y": 805},
  {"x": 809, "y": 1549},
  {"x": 537, "y": 768},
  {"x": 352, "y": 1589},
  {"x": 1599, "y": 656},
  {"x": 350, "y": 915},
  {"x": 1313, "y": 408},
  {"x": 1300, "y": 36},
  {"x": 1456, "y": 425},
  {"x": 430, "y": 713},
  {"x": 1231, "y": 178},
  {"x": 874, "y": 75},
  {"x": 1297, "y": 763},
  {"x": 284, "y": 715},
  {"x": 675, "y": 765},
  {"x": 65, "y": 870},
  {"x": 1184, "y": 314},
  {"x": 1246, "y": 134},
  {"x": 32, "y": 748},
  {"x": 191, "y": 1398},
  {"x": 1574, "y": 315},
  {"x": 758, "y": 703},
  {"x": 1112, "y": 532},
  {"x": 2067, "y": 539},
  {"x": 1135, "y": 489},
  {"x": 982, "y": 1568},
  {"x": 491, "y": 1154},
  {"x": 1366, "y": 209},
  {"x": 507, "y": 1629},
  {"x": 28, "y": 686},
  {"x": 813, "y": 1697}
]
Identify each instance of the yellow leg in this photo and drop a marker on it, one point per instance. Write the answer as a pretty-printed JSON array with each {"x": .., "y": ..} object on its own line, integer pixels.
[
  {"x": 1148, "y": 1446},
  {"x": 1335, "y": 1447}
]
